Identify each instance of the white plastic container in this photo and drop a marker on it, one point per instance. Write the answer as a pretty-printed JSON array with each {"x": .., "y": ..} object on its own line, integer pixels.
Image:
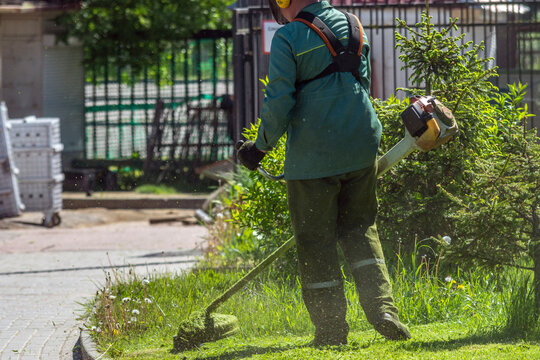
[
  {"x": 43, "y": 195},
  {"x": 37, "y": 154},
  {"x": 32, "y": 132},
  {"x": 39, "y": 163},
  {"x": 10, "y": 201},
  {"x": 10, "y": 206}
]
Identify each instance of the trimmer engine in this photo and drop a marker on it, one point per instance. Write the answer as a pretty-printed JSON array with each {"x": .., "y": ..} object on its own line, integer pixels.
[{"x": 429, "y": 121}]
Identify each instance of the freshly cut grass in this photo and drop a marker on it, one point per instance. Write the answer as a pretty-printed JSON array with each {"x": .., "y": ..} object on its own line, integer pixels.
[{"x": 451, "y": 340}]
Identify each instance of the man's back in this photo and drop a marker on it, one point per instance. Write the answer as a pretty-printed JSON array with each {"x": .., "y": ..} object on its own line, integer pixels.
[{"x": 330, "y": 123}]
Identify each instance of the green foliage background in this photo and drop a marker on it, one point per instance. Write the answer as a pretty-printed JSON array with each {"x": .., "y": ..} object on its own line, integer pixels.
[{"x": 134, "y": 32}]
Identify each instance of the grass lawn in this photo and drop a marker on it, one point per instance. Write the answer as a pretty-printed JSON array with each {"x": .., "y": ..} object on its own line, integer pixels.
[
  {"x": 461, "y": 319},
  {"x": 432, "y": 341}
]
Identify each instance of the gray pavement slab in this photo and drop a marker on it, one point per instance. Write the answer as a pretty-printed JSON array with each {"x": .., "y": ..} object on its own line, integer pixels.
[{"x": 45, "y": 275}]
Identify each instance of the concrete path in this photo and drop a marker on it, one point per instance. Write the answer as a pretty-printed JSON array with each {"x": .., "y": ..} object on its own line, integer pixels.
[{"x": 46, "y": 273}]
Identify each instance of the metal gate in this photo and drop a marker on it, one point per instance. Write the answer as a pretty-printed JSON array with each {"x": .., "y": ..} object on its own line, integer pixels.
[
  {"x": 510, "y": 30},
  {"x": 179, "y": 109}
]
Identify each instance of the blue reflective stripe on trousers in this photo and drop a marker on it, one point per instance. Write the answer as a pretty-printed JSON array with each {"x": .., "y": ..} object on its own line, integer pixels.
[
  {"x": 322, "y": 285},
  {"x": 366, "y": 262}
]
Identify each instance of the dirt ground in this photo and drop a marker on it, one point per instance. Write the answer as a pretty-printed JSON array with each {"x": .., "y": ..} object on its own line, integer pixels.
[{"x": 97, "y": 216}]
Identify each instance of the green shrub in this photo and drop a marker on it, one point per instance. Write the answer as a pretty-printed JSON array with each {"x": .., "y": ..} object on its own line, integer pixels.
[
  {"x": 255, "y": 215},
  {"x": 412, "y": 207},
  {"x": 429, "y": 195}
]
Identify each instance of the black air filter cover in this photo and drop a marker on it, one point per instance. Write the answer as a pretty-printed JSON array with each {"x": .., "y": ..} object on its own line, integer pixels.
[{"x": 415, "y": 119}]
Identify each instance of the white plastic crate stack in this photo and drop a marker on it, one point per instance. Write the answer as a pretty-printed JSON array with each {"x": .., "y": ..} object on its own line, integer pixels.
[
  {"x": 10, "y": 201},
  {"x": 37, "y": 154}
]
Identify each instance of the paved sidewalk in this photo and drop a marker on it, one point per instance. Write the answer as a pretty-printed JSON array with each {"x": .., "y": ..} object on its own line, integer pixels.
[{"x": 46, "y": 273}]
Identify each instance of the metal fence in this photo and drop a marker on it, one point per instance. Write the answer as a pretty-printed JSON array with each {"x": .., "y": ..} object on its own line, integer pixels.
[
  {"x": 510, "y": 31},
  {"x": 194, "y": 83}
]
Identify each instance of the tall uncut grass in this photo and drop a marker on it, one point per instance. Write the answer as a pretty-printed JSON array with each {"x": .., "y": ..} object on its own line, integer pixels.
[
  {"x": 427, "y": 291},
  {"x": 521, "y": 314}
]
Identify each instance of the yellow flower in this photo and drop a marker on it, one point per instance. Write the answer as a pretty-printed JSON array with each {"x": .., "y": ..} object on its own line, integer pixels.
[
  {"x": 461, "y": 287},
  {"x": 116, "y": 332}
]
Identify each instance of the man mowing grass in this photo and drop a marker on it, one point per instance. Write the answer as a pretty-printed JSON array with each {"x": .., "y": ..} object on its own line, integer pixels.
[{"x": 318, "y": 92}]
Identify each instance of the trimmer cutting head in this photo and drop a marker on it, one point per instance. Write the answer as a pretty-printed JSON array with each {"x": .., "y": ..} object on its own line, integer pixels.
[{"x": 202, "y": 327}]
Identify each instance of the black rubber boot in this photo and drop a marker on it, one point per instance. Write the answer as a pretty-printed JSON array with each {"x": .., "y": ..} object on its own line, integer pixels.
[{"x": 391, "y": 328}]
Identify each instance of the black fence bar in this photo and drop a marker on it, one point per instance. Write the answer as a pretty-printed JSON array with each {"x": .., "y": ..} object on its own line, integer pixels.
[
  {"x": 147, "y": 111},
  {"x": 132, "y": 110},
  {"x": 107, "y": 154},
  {"x": 120, "y": 122}
]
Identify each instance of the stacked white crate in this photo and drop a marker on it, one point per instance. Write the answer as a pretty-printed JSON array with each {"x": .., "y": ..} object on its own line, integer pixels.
[
  {"x": 37, "y": 154},
  {"x": 10, "y": 201}
]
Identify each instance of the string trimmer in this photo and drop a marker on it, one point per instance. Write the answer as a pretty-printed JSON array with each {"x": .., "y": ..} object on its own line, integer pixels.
[{"x": 428, "y": 125}]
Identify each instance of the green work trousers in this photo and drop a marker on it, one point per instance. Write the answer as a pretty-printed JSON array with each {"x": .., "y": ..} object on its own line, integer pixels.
[{"x": 339, "y": 210}]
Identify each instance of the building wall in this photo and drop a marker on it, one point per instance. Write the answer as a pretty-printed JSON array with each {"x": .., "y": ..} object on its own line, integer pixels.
[
  {"x": 63, "y": 93},
  {"x": 21, "y": 43},
  {"x": 41, "y": 77}
]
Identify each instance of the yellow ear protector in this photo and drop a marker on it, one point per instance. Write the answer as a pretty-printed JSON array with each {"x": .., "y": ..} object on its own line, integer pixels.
[{"x": 283, "y": 3}]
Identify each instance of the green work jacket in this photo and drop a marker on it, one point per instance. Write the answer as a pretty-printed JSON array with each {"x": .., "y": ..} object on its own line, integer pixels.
[{"x": 331, "y": 125}]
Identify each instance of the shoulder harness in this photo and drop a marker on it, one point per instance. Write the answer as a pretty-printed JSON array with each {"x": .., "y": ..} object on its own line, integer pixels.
[{"x": 343, "y": 59}]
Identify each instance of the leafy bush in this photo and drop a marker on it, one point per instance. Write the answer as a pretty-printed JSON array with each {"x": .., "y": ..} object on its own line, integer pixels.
[
  {"x": 253, "y": 216},
  {"x": 263, "y": 203},
  {"x": 412, "y": 207},
  {"x": 496, "y": 214},
  {"x": 484, "y": 188}
]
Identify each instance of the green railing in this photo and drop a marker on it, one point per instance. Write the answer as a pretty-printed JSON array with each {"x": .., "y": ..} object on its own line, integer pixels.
[{"x": 193, "y": 80}]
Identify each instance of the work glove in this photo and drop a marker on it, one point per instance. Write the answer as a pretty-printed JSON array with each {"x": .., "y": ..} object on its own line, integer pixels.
[{"x": 248, "y": 154}]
